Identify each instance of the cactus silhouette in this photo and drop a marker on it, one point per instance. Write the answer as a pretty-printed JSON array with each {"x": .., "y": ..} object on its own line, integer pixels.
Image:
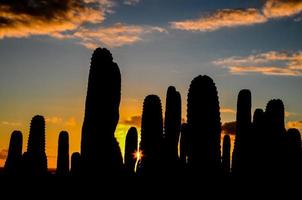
[
  {"x": 293, "y": 156},
  {"x": 63, "y": 155},
  {"x": 172, "y": 130},
  {"x": 274, "y": 136},
  {"x": 100, "y": 151},
  {"x": 151, "y": 137},
  {"x": 203, "y": 118},
  {"x": 242, "y": 147},
  {"x": 76, "y": 165},
  {"x": 131, "y": 147},
  {"x": 226, "y": 153},
  {"x": 12, "y": 165},
  {"x": 184, "y": 143},
  {"x": 35, "y": 160}
]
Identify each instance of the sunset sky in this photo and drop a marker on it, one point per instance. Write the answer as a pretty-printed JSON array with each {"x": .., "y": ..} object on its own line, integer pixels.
[{"x": 46, "y": 46}]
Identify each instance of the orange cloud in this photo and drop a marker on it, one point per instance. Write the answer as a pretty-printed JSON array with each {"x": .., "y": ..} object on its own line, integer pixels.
[
  {"x": 282, "y": 8},
  {"x": 269, "y": 63},
  {"x": 241, "y": 17},
  {"x": 26, "y": 18},
  {"x": 295, "y": 124},
  {"x": 114, "y": 36},
  {"x": 227, "y": 110},
  {"x": 220, "y": 19},
  {"x": 3, "y": 154},
  {"x": 7, "y": 123},
  {"x": 133, "y": 121}
]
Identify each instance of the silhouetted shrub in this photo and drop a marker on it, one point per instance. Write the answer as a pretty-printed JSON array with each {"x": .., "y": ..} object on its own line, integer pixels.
[
  {"x": 172, "y": 131},
  {"x": 76, "y": 164},
  {"x": 100, "y": 151},
  {"x": 35, "y": 160},
  {"x": 63, "y": 155},
  {"x": 203, "y": 118},
  {"x": 131, "y": 148},
  {"x": 151, "y": 137},
  {"x": 226, "y": 155},
  {"x": 12, "y": 165},
  {"x": 242, "y": 146}
]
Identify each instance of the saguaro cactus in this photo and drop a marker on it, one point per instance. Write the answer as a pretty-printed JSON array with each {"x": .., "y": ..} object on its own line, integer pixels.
[
  {"x": 241, "y": 151},
  {"x": 151, "y": 136},
  {"x": 226, "y": 163},
  {"x": 172, "y": 124},
  {"x": 14, "y": 157},
  {"x": 203, "y": 118},
  {"x": 35, "y": 159},
  {"x": 184, "y": 143},
  {"x": 76, "y": 164},
  {"x": 63, "y": 155},
  {"x": 131, "y": 149},
  {"x": 99, "y": 149}
]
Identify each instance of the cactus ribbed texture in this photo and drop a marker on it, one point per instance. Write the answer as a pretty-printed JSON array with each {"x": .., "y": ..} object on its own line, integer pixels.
[
  {"x": 35, "y": 160},
  {"x": 203, "y": 118},
  {"x": 100, "y": 151},
  {"x": 131, "y": 147},
  {"x": 151, "y": 137},
  {"x": 12, "y": 165},
  {"x": 242, "y": 148},
  {"x": 226, "y": 153},
  {"x": 63, "y": 155},
  {"x": 76, "y": 164}
]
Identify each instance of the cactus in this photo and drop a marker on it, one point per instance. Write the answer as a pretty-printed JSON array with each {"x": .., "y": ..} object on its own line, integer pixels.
[
  {"x": 130, "y": 150},
  {"x": 184, "y": 143},
  {"x": 13, "y": 161},
  {"x": 35, "y": 159},
  {"x": 172, "y": 123},
  {"x": 151, "y": 136},
  {"x": 76, "y": 164},
  {"x": 99, "y": 149},
  {"x": 242, "y": 148},
  {"x": 226, "y": 153},
  {"x": 63, "y": 155},
  {"x": 203, "y": 118}
]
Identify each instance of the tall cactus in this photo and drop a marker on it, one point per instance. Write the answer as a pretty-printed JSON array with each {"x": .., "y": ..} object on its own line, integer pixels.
[
  {"x": 35, "y": 160},
  {"x": 130, "y": 150},
  {"x": 76, "y": 164},
  {"x": 184, "y": 143},
  {"x": 275, "y": 133},
  {"x": 151, "y": 136},
  {"x": 63, "y": 155},
  {"x": 241, "y": 151},
  {"x": 226, "y": 155},
  {"x": 99, "y": 149},
  {"x": 172, "y": 131},
  {"x": 14, "y": 157},
  {"x": 203, "y": 118}
]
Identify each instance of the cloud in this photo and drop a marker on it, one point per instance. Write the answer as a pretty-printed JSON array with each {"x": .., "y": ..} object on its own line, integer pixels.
[
  {"x": 36, "y": 17},
  {"x": 227, "y": 110},
  {"x": 220, "y": 19},
  {"x": 133, "y": 121},
  {"x": 3, "y": 154},
  {"x": 53, "y": 120},
  {"x": 295, "y": 124},
  {"x": 229, "y": 128},
  {"x": 282, "y": 8},
  {"x": 131, "y": 2},
  {"x": 269, "y": 63},
  {"x": 272, "y": 9},
  {"x": 7, "y": 123},
  {"x": 113, "y": 36}
]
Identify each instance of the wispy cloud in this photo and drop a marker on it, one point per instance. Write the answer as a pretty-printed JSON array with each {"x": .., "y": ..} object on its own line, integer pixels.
[
  {"x": 53, "y": 120},
  {"x": 295, "y": 124},
  {"x": 71, "y": 122},
  {"x": 268, "y": 63},
  {"x": 131, "y": 2},
  {"x": 227, "y": 110},
  {"x": 272, "y": 9},
  {"x": 113, "y": 36},
  {"x": 60, "y": 121},
  {"x": 220, "y": 19},
  {"x": 133, "y": 121},
  {"x": 7, "y": 123}
]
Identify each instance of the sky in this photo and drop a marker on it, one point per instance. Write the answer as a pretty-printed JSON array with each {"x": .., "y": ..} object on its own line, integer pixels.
[{"x": 46, "y": 46}]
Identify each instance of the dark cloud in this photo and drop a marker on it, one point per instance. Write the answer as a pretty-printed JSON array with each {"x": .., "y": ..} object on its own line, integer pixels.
[
  {"x": 229, "y": 128},
  {"x": 3, "y": 154}
]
